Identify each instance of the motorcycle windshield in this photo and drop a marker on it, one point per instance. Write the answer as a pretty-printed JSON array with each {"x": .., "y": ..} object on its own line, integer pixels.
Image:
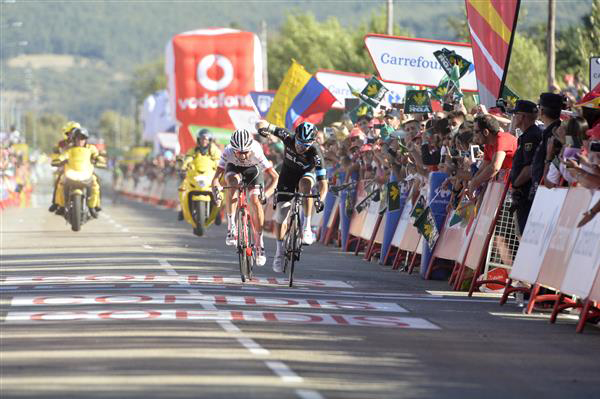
[{"x": 80, "y": 160}]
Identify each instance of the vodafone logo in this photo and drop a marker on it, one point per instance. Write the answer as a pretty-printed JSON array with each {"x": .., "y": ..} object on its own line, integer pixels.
[{"x": 206, "y": 63}]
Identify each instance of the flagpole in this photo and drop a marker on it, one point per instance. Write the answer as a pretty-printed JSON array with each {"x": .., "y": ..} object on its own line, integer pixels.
[
  {"x": 551, "y": 42},
  {"x": 390, "y": 17},
  {"x": 510, "y": 45}
]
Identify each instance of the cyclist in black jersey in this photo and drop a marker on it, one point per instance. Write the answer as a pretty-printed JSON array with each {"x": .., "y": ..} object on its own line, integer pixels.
[{"x": 302, "y": 167}]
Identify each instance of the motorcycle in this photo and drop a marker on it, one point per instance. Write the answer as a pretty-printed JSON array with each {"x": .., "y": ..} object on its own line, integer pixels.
[
  {"x": 195, "y": 195},
  {"x": 78, "y": 180}
]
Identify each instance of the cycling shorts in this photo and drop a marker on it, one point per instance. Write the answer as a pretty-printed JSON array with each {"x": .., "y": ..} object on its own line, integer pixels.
[
  {"x": 249, "y": 174},
  {"x": 288, "y": 182}
]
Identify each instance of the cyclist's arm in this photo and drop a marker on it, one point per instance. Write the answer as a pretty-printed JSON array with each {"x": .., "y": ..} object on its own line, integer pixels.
[
  {"x": 217, "y": 176},
  {"x": 274, "y": 177}
]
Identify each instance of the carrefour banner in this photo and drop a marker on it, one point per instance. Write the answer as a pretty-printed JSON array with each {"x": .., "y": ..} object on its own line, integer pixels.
[
  {"x": 338, "y": 82},
  {"x": 411, "y": 61},
  {"x": 210, "y": 72}
]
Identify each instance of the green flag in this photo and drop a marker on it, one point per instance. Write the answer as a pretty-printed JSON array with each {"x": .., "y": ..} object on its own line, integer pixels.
[
  {"x": 448, "y": 59},
  {"x": 393, "y": 196},
  {"x": 510, "y": 97},
  {"x": 427, "y": 228},
  {"x": 373, "y": 92},
  {"x": 417, "y": 101},
  {"x": 418, "y": 209},
  {"x": 360, "y": 110}
]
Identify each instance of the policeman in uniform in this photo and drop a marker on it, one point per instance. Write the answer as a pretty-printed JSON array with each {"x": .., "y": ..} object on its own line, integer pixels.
[
  {"x": 550, "y": 106},
  {"x": 525, "y": 114}
]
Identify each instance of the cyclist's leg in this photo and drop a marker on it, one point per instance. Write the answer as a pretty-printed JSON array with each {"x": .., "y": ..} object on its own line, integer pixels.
[
  {"x": 305, "y": 186},
  {"x": 288, "y": 181},
  {"x": 254, "y": 176},
  {"x": 232, "y": 178}
]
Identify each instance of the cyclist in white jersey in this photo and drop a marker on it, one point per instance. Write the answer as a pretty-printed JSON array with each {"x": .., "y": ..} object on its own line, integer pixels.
[{"x": 243, "y": 160}]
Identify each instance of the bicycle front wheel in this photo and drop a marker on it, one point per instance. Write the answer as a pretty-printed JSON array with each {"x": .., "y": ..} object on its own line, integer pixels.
[
  {"x": 242, "y": 243},
  {"x": 295, "y": 243}
]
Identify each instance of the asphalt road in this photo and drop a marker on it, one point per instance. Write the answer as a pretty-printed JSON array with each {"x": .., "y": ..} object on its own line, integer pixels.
[{"x": 135, "y": 306}]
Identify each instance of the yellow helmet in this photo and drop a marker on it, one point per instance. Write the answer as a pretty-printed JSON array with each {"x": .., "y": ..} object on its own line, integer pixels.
[{"x": 68, "y": 127}]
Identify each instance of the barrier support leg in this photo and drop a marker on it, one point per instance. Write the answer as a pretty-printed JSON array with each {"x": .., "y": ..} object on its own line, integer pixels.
[
  {"x": 397, "y": 259},
  {"x": 333, "y": 228},
  {"x": 534, "y": 291},
  {"x": 371, "y": 242},
  {"x": 359, "y": 244},
  {"x": 509, "y": 289},
  {"x": 429, "y": 267},
  {"x": 588, "y": 311},
  {"x": 562, "y": 303},
  {"x": 411, "y": 267},
  {"x": 388, "y": 255}
]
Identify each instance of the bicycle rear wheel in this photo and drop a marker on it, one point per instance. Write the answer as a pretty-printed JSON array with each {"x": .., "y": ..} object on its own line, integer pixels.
[{"x": 242, "y": 244}]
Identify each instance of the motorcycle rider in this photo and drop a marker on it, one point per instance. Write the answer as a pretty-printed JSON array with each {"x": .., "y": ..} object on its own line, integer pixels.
[
  {"x": 244, "y": 160},
  {"x": 59, "y": 149},
  {"x": 302, "y": 168},
  {"x": 205, "y": 146},
  {"x": 79, "y": 137}
]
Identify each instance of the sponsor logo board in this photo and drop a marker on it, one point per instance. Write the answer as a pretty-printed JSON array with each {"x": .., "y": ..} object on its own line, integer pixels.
[{"x": 411, "y": 61}]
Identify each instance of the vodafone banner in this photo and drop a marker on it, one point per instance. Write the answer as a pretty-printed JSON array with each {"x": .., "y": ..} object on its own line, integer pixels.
[
  {"x": 210, "y": 72},
  {"x": 411, "y": 61},
  {"x": 337, "y": 83}
]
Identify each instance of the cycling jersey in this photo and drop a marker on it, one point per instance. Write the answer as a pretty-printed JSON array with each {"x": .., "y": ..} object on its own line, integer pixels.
[
  {"x": 255, "y": 158},
  {"x": 299, "y": 164}
]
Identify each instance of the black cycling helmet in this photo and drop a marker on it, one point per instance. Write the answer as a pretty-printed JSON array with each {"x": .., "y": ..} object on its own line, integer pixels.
[
  {"x": 204, "y": 133},
  {"x": 306, "y": 132}
]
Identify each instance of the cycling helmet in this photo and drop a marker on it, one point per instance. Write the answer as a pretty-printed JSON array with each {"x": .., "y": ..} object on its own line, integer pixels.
[
  {"x": 306, "y": 132},
  {"x": 80, "y": 131},
  {"x": 204, "y": 133},
  {"x": 66, "y": 129},
  {"x": 241, "y": 140}
]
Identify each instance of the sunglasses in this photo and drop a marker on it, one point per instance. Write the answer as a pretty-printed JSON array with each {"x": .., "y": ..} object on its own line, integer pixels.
[
  {"x": 241, "y": 153},
  {"x": 305, "y": 145}
]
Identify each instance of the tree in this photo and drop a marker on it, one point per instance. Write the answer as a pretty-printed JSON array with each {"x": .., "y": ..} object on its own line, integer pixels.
[
  {"x": 147, "y": 79},
  {"x": 527, "y": 69},
  {"x": 326, "y": 44},
  {"x": 45, "y": 129},
  {"x": 118, "y": 131}
]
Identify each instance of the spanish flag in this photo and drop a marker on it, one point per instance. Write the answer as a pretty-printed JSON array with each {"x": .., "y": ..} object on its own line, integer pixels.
[{"x": 492, "y": 24}]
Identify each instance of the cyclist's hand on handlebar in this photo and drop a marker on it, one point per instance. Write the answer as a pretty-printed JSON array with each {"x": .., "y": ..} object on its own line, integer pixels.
[{"x": 319, "y": 206}]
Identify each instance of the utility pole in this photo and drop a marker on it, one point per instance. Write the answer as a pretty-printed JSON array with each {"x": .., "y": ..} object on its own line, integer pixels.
[
  {"x": 551, "y": 42},
  {"x": 390, "y": 17},
  {"x": 263, "y": 43}
]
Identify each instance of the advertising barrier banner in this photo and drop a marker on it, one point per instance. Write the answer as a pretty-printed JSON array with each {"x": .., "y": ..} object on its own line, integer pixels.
[
  {"x": 562, "y": 240},
  {"x": 536, "y": 236},
  {"x": 584, "y": 260}
]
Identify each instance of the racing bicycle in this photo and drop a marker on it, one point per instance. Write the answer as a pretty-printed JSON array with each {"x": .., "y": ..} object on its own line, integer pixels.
[
  {"x": 293, "y": 236},
  {"x": 246, "y": 246}
]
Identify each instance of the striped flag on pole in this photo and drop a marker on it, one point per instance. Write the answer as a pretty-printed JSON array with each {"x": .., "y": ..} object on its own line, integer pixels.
[{"x": 492, "y": 24}]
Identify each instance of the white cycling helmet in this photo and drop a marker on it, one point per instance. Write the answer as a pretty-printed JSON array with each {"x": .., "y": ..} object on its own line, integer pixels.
[{"x": 241, "y": 140}]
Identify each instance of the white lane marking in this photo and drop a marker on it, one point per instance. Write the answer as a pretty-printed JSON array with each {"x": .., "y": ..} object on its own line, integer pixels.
[
  {"x": 134, "y": 237},
  {"x": 308, "y": 394},
  {"x": 284, "y": 372},
  {"x": 125, "y": 230},
  {"x": 146, "y": 246}
]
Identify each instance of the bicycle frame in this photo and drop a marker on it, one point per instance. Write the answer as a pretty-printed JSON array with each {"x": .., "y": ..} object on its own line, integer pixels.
[{"x": 293, "y": 239}]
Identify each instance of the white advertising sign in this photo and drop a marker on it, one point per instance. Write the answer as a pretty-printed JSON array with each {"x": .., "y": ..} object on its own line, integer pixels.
[
  {"x": 337, "y": 83},
  {"x": 538, "y": 230},
  {"x": 584, "y": 261},
  {"x": 594, "y": 71},
  {"x": 243, "y": 119},
  {"x": 411, "y": 61}
]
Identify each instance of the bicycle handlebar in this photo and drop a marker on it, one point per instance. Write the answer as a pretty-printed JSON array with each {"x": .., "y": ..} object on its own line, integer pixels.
[{"x": 299, "y": 195}]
